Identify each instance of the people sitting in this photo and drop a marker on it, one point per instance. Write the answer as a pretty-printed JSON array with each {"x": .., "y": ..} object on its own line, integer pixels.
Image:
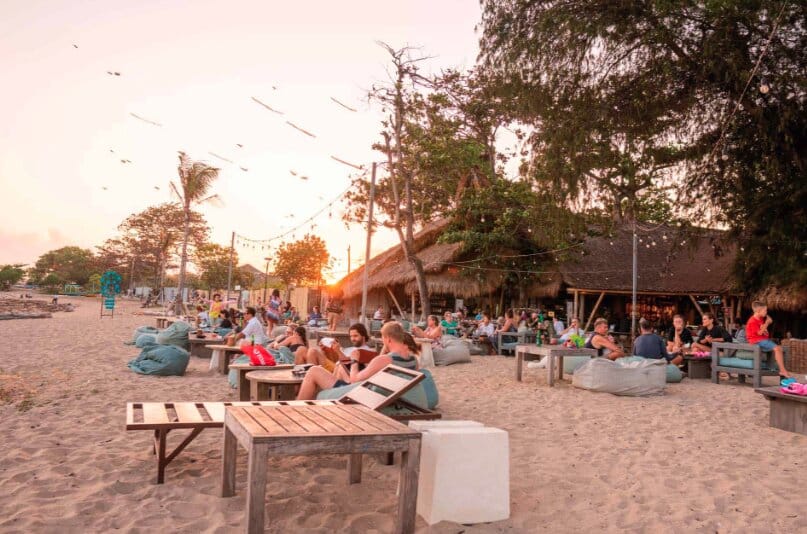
[
  {"x": 534, "y": 322},
  {"x": 602, "y": 342},
  {"x": 651, "y": 345},
  {"x": 253, "y": 331},
  {"x": 295, "y": 341},
  {"x": 379, "y": 314},
  {"x": 679, "y": 337},
  {"x": 509, "y": 325},
  {"x": 449, "y": 324},
  {"x": 314, "y": 317},
  {"x": 557, "y": 325},
  {"x": 224, "y": 315},
  {"x": 484, "y": 334},
  {"x": 433, "y": 330},
  {"x": 202, "y": 317},
  {"x": 392, "y": 334},
  {"x": 756, "y": 330},
  {"x": 710, "y": 333},
  {"x": 276, "y": 342},
  {"x": 573, "y": 330},
  {"x": 329, "y": 356}
]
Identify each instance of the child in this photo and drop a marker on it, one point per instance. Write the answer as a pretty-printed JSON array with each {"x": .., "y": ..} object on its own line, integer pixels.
[{"x": 756, "y": 331}]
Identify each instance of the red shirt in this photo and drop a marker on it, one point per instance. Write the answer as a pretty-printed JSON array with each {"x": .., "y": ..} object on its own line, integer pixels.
[{"x": 752, "y": 330}]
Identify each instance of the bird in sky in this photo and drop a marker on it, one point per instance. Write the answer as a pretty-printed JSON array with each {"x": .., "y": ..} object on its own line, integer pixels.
[
  {"x": 156, "y": 188},
  {"x": 104, "y": 188},
  {"x": 293, "y": 173},
  {"x": 125, "y": 161},
  {"x": 244, "y": 169},
  {"x": 303, "y": 177},
  {"x": 111, "y": 150},
  {"x": 239, "y": 145},
  {"x": 113, "y": 73},
  {"x": 75, "y": 46}
]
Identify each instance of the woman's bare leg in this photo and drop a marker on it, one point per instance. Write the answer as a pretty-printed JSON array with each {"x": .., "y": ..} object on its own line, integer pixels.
[{"x": 316, "y": 378}]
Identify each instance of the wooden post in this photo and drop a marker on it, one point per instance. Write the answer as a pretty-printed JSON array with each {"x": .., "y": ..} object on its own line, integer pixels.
[
  {"x": 697, "y": 306},
  {"x": 408, "y": 488},
  {"x": 228, "y": 458},
  {"x": 391, "y": 294},
  {"x": 594, "y": 310},
  {"x": 414, "y": 311},
  {"x": 256, "y": 487}
]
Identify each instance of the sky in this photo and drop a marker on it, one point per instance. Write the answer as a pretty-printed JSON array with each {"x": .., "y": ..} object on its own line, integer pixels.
[{"x": 193, "y": 68}]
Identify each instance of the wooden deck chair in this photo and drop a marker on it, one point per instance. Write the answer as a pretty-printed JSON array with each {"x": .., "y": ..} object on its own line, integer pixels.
[{"x": 163, "y": 417}]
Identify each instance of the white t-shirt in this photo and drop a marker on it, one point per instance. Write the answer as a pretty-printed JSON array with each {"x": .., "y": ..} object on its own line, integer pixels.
[
  {"x": 378, "y": 315},
  {"x": 486, "y": 330},
  {"x": 255, "y": 328},
  {"x": 557, "y": 324},
  {"x": 347, "y": 351}
]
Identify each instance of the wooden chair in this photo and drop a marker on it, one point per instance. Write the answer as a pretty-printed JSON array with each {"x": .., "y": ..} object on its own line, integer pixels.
[
  {"x": 381, "y": 392},
  {"x": 762, "y": 364}
]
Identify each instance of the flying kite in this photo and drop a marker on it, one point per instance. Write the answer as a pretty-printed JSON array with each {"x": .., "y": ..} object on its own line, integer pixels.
[
  {"x": 344, "y": 105},
  {"x": 300, "y": 129},
  {"x": 266, "y": 106},
  {"x": 138, "y": 117},
  {"x": 359, "y": 167},
  {"x": 220, "y": 157}
]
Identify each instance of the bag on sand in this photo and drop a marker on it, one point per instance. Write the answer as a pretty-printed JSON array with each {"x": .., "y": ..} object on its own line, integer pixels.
[
  {"x": 140, "y": 331},
  {"x": 163, "y": 360},
  {"x": 258, "y": 355},
  {"x": 145, "y": 340},
  {"x": 631, "y": 378},
  {"x": 176, "y": 334},
  {"x": 453, "y": 351}
]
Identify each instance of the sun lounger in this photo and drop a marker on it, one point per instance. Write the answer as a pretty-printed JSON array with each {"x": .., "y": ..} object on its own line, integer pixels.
[{"x": 380, "y": 392}]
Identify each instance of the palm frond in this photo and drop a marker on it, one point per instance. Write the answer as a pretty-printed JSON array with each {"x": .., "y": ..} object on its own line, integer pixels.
[{"x": 175, "y": 190}]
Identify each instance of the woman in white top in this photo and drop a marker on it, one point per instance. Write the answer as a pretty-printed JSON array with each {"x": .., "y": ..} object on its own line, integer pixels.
[{"x": 574, "y": 328}]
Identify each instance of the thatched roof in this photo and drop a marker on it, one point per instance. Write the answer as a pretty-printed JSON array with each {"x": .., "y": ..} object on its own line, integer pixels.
[
  {"x": 666, "y": 263},
  {"x": 791, "y": 298},
  {"x": 390, "y": 268}
]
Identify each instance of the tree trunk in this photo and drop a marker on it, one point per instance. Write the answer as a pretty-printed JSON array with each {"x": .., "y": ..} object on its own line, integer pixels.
[{"x": 183, "y": 261}]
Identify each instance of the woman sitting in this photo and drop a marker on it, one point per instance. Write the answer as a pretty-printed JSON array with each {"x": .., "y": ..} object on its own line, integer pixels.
[
  {"x": 433, "y": 330},
  {"x": 392, "y": 334},
  {"x": 509, "y": 325}
]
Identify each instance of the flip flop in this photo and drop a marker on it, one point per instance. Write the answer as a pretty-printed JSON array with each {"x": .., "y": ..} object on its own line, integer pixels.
[
  {"x": 794, "y": 388},
  {"x": 785, "y": 382}
]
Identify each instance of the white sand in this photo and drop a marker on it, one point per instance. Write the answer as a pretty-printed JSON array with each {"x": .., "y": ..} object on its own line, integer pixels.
[{"x": 701, "y": 458}]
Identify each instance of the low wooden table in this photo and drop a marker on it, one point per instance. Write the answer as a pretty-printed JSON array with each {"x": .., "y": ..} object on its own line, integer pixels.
[
  {"x": 698, "y": 367},
  {"x": 305, "y": 430},
  {"x": 273, "y": 385},
  {"x": 788, "y": 412},
  {"x": 221, "y": 356},
  {"x": 553, "y": 352},
  {"x": 201, "y": 347},
  {"x": 161, "y": 321},
  {"x": 242, "y": 384}
]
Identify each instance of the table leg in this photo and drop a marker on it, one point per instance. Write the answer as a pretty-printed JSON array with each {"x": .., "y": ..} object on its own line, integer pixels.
[
  {"x": 408, "y": 488},
  {"x": 260, "y": 391},
  {"x": 560, "y": 367},
  {"x": 286, "y": 392},
  {"x": 243, "y": 385},
  {"x": 256, "y": 488},
  {"x": 228, "y": 454},
  {"x": 224, "y": 362},
  {"x": 519, "y": 364},
  {"x": 550, "y": 365}
]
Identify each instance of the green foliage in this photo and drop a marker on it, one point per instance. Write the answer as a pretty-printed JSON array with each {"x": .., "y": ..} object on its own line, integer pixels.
[
  {"x": 628, "y": 97},
  {"x": 52, "y": 282},
  {"x": 302, "y": 261},
  {"x": 94, "y": 284},
  {"x": 10, "y": 275},
  {"x": 213, "y": 262},
  {"x": 66, "y": 264}
]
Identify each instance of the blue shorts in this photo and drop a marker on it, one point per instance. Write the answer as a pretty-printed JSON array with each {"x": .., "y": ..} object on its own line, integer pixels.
[{"x": 766, "y": 345}]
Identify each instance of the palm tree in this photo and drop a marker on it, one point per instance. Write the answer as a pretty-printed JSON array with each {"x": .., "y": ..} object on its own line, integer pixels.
[{"x": 195, "y": 180}]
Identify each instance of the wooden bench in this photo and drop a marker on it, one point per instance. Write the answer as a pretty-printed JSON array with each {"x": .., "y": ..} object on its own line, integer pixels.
[
  {"x": 788, "y": 412},
  {"x": 381, "y": 392},
  {"x": 763, "y": 362}
]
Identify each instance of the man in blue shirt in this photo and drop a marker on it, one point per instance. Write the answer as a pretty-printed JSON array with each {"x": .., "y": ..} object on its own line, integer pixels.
[{"x": 652, "y": 346}]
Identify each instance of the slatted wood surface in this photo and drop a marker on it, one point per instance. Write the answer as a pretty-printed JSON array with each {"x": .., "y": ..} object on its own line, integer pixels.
[
  {"x": 384, "y": 387},
  {"x": 171, "y": 415},
  {"x": 328, "y": 420}
]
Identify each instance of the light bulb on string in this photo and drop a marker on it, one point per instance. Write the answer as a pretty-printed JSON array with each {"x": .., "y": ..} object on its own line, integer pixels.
[{"x": 482, "y": 219}]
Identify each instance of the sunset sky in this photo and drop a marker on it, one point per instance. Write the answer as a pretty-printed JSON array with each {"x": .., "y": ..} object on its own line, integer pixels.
[{"x": 193, "y": 67}]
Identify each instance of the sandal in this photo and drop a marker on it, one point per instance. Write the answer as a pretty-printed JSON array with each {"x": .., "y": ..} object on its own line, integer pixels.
[
  {"x": 785, "y": 381},
  {"x": 794, "y": 388}
]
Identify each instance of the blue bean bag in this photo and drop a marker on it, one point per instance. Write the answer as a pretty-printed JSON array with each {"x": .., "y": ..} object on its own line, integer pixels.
[
  {"x": 163, "y": 360},
  {"x": 232, "y": 376},
  {"x": 176, "y": 334},
  {"x": 145, "y": 340},
  {"x": 139, "y": 331},
  {"x": 423, "y": 395}
]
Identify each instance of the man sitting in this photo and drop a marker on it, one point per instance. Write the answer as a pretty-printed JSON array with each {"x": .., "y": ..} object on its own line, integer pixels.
[
  {"x": 484, "y": 334},
  {"x": 379, "y": 314},
  {"x": 710, "y": 333},
  {"x": 756, "y": 330},
  {"x": 328, "y": 357},
  {"x": 253, "y": 332},
  {"x": 314, "y": 317},
  {"x": 449, "y": 324},
  {"x": 602, "y": 342},
  {"x": 652, "y": 346}
]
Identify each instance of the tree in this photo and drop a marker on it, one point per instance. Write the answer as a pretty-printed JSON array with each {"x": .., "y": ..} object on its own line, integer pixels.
[
  {"x": 10, "y": 275},
  {"x": 707, "y": 97},
  {"x": 302, "y": 261},
  {"x": 67, "y": 264},
  {"x": 213, "y": 262},
  {"x": 195, "y": 180},
  {"x": 149, "y": 242},
  {"x": 438, "y": 140}
]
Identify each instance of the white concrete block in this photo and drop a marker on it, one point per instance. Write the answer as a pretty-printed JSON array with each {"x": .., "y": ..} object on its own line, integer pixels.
[
  {"x": 464, "y": 475},
  {"x": 422, "y": 426}
]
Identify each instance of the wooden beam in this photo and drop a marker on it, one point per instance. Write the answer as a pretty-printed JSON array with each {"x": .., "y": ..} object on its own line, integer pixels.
[
  {"x": 574, "y": 306},
  {"x": 391, "y": 294},
  {"x": 628, "y": 292},
  {"x": 593, "y": 311},
  {"x": 697, "y": 306}
]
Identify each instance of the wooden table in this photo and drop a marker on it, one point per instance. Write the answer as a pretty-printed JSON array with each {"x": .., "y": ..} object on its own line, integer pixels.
[
  {"x": 554, "y": 353},
  {"x": 162, "y": 321},
  {"x": 305, "y": 430},
  {"x": 242, "y": 384},
  {"x": 200, "y": 347},
  {"x": 220, "y": 358},
  {"x": 788, "y": 412},
  {"x": 698, "y": 367},
  {"x": 273, "y": 385}
]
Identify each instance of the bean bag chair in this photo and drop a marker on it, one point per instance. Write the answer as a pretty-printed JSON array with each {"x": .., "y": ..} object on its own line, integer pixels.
[
  {"x": 622, "y": 377},
  {"x": 176, "y": 334},
  {"x": 453, "y": 351},
  {"x": 139, "y": 331},
  {"x": 282, "y": 355},
  {"x": 571, "y": 363},
  {"x": 423, "y": 395},
  {"x": 163, "y": 360},
  {"x": 232, "y": 376},
  {"x": 222, "y": 331},
  {"x": 145, "y": 340},
  {"x": 673, "y": 373}
]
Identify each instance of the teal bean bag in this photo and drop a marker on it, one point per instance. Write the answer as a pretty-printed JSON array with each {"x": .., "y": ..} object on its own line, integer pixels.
[
  {"x": 282, "y": 355},
  {"x": 232, "y": 376},
  {"x": 176, "y": 334},
  {"x": 423, "y": 395},
  {"x": 139, "y": 331},
  {"x": 145, "y": 340},
  {"x": 162, "y": 360}
]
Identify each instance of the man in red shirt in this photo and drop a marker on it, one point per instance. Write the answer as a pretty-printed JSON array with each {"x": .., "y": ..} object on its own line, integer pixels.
[{"x": 756, "y": 331}]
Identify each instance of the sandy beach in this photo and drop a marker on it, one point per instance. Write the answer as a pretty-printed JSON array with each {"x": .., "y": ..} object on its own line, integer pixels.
[{"x": 701, "y": 458}]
